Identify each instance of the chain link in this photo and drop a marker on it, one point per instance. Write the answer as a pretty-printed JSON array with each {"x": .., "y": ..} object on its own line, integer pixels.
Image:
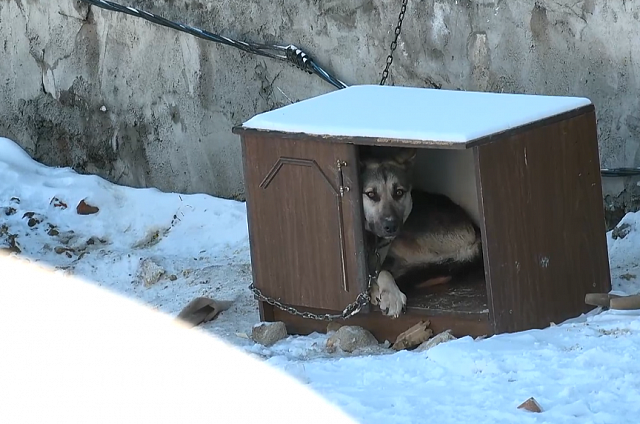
[
  {"x": 394, "y": 43},
  {"x": 350, "y": 310}
]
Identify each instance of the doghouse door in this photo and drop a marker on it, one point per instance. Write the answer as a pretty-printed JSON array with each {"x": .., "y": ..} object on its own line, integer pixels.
[{"x": 305, "y": 224}]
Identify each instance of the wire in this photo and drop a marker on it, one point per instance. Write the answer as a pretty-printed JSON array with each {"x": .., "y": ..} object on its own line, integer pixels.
[
  {"x": 619, "y": 172},
  {"x": 288, "y": 53}
]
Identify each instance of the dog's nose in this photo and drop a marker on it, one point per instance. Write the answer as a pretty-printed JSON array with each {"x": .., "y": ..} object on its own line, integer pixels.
[{"x": 390, "y": 225}]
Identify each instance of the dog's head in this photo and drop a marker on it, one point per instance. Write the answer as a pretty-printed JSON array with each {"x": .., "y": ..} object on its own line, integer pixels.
[{"x": 386, "y": 188}]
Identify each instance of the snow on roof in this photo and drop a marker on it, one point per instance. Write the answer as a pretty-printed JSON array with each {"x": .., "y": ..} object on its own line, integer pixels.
[{"x": 410, "y": 113}]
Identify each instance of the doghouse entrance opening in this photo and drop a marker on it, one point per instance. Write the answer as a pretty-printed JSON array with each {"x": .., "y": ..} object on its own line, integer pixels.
[{"x": 451, "y": 173}]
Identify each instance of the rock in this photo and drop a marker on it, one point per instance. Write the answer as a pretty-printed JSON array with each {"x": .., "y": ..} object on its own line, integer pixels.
[
  {"x": 60, "y": 250},
  {"x": 268, "y": 333},
  {"x": 530, "y": 405},
  {"x": 349, "y": 338},
  {"x": 333, "y": 326},
  {"x": 445, "y": 336},
  {"x": 84, "y": 208},
  {"x": 34, "y": 219},
  {"x": 150, "y": 272},
  {"x": 14, "y": 247},
  {"x": 53, "y": 231},
  {"x": 621, "y": 231}
]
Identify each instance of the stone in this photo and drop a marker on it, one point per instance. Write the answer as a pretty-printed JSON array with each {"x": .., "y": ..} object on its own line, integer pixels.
[
  {"x": 349, "y": 338},
  {"x": 621, "y": 231},
  {"x": 268, "y": 333},
  {"x": 445, "y": 336},
  {"x": 150, "y": 272}
]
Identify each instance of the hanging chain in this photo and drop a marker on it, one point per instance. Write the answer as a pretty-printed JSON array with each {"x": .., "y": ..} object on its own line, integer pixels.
[
  {"x": 350, "y": 310},
  {"x": 394, "y": 43}
]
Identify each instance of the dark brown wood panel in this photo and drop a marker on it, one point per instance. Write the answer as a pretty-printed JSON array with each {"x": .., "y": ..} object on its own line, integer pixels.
[
  {"x": 386, "y": 328},
  {"x": 543, "y": 223},
  {"x": 303, "y": 234}
]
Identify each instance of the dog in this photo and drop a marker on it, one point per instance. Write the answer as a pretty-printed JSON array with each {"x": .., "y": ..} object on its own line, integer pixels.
[{"x": 419, "y": 235}]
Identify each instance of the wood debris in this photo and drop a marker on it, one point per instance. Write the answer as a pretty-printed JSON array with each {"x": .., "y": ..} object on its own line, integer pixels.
[
  {"x": 84, "y": 208},
  {"x": 613, "y": 301},
  {"x": 414, "y": 336},
  {"x": 530, "y": 405},
  {"x": 625, "y": 303},
  {"x": 202, "y": 309}
]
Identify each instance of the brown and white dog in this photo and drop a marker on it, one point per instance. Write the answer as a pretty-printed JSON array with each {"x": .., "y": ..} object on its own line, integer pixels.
[{"x": 419, "y": 235}]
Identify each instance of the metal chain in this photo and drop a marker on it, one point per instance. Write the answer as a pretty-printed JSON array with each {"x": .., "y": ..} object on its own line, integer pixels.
[
  {"x": 394, "y": 43},
  {"x": 350, "y": 310}
]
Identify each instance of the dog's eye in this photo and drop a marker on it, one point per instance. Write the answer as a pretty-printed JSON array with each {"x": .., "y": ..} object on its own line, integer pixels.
[
  {"x": 400, "y": 192},
  {"x": 370, "y": 194}
]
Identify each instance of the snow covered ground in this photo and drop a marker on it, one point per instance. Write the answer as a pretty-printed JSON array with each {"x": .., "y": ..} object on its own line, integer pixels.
[{"x": 582, "y": 371}]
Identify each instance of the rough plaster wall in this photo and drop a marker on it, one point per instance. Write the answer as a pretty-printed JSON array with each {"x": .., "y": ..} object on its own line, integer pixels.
[{"x": 171, "y": 99}]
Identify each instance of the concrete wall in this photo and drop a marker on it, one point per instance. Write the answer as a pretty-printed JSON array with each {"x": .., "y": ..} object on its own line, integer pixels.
[{"x": 144, "y": 105}]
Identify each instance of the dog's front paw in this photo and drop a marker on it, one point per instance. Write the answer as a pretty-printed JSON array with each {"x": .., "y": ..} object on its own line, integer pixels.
[
  {"x": 388, "y": 296},
  {"x": 392, "y": 303}
]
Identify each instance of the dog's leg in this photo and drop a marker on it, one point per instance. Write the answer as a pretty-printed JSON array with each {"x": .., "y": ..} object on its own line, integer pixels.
[{"x": 386, "y": 293}]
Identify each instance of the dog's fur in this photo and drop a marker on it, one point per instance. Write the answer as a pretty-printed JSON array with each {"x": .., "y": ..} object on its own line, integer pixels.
[{"x": 419, "y": 235}]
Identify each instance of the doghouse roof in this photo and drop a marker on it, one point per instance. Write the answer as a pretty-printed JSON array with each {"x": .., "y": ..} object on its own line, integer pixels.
[{"x": 414, "y": 116}]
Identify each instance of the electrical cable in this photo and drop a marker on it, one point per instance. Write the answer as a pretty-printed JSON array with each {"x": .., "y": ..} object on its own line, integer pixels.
[
  {"x": 619, "y": 172},
  {"x": 288, "y": 53}
]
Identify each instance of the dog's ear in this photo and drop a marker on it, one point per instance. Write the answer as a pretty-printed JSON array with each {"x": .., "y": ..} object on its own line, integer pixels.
[
  {"x": 406, "y": 157},
  {"x": 364, "y": 155}
]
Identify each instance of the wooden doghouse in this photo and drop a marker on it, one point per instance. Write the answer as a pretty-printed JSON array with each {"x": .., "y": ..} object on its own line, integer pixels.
[{"x": 525, "y": 167}]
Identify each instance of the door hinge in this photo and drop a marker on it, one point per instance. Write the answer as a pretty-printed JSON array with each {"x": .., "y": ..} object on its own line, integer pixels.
[{"x": 342, "y": 189}]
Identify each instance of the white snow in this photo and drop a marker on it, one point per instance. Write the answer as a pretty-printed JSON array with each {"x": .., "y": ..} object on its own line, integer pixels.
[
  {"x": 411, "y": 113},
  {"x": 75, "y": 353},
  {"x": 582, "y": 371},
  {"x": 624, "y": 254}
]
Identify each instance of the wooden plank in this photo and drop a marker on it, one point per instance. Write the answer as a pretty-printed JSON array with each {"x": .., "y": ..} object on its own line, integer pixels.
[
  {"x": 386, "y": 328},
  {"x": 432, "y": 144},
  {"x": 266, "y": 311},
  {"x": 543, "y": 223},
  {"x": 306, "y": 240}
]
